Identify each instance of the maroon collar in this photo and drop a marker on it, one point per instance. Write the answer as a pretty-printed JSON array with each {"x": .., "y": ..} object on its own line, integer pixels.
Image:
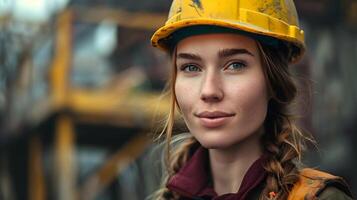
[{"x": 192, "y": 180}]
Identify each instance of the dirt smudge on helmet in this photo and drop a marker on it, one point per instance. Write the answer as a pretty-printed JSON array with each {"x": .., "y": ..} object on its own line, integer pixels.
[
  {"x": 197, "y": 5},
  {"x": 272, "y": 8}
]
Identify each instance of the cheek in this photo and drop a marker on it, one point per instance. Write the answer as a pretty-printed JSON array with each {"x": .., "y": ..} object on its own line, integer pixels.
[
  {"x": 184, "y": 95},
  {"x": 253, "y": 100}
]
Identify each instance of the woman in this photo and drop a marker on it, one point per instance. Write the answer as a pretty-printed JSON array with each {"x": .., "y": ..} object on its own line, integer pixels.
[{"x": 230, "y": 81}]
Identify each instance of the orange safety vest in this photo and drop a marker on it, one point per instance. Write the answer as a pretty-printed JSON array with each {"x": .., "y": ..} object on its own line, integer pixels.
[{"x": 312, "y": 182}]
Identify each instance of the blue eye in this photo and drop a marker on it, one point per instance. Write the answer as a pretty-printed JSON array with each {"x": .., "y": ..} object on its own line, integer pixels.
[
  {"x": 190, "y": 68},
  {"x": 236, "y": 66}
]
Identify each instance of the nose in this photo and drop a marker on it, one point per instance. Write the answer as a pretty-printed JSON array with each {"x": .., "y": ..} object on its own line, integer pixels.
[{"x": 211, "y": 88}]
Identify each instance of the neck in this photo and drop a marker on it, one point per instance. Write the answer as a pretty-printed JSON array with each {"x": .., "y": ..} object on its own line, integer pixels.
[{"x": 228, "y": 166}]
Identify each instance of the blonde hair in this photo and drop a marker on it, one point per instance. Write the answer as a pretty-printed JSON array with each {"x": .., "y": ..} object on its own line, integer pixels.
[{"x": 282, "y": 141}]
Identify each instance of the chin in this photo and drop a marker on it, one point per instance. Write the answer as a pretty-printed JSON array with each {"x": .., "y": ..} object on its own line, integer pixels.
[
  {"x": 215, "y": 143},
  {"x": 218, "y": 139}
]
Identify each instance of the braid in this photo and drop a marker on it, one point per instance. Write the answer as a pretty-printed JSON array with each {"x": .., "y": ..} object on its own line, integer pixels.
[
  {"x": 282, "y": 140},
  {"x": 184, "y": 145},
  {"x": 283, "y": 150},
  {"x": 181, "y": 154}
]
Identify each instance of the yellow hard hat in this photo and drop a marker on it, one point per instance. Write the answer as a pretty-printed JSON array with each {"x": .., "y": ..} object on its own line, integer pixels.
[{"x": 273, "y": 18}]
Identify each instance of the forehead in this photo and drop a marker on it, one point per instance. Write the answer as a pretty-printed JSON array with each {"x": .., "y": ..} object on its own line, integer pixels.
[{"x": 215, "y": 42}]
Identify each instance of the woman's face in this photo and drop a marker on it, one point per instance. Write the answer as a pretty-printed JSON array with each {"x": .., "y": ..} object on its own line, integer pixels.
[{"x": 220, "y": 88}]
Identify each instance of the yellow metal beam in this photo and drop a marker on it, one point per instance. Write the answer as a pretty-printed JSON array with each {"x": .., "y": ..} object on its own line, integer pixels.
[
  {"x": 121, "y": 17},
  {"x": 62, "y": 60},
  {"x": 65, "y": 166},
  {"x": 123, "y": 108},
  {"x": 114, "y": 166}
]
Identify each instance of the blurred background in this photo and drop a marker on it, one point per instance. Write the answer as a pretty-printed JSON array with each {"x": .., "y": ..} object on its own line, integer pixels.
[{"x": 80, "y": 95}]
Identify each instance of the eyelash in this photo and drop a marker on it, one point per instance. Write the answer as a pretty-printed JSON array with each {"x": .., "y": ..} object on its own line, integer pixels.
[
  {"x": 184, "y": 67},
  {"x": 241, "y": 64}
]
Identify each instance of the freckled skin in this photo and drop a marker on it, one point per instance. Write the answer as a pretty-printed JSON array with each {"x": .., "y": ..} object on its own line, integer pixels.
[{"x": 217, "y": 88}]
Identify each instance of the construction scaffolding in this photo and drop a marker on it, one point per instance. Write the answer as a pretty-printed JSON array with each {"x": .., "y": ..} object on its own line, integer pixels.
[{"x": 80, "y": 117}]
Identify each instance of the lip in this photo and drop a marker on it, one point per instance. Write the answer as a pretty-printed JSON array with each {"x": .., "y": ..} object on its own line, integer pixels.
[{"x": 214, "y": 119}]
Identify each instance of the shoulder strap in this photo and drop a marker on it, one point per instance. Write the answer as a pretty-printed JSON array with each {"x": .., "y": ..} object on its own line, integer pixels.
[{"x": 312, "y": 182}]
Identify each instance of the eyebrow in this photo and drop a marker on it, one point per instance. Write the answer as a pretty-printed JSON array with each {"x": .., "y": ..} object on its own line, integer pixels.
[
  {"x": 189, "y": 56},
  {"x": 231, "y": 52},
  {"x": 222, "y": 54}
]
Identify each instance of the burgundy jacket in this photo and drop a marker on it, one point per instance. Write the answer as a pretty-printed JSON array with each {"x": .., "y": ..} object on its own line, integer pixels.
[{"x": 193, "y": 182}]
